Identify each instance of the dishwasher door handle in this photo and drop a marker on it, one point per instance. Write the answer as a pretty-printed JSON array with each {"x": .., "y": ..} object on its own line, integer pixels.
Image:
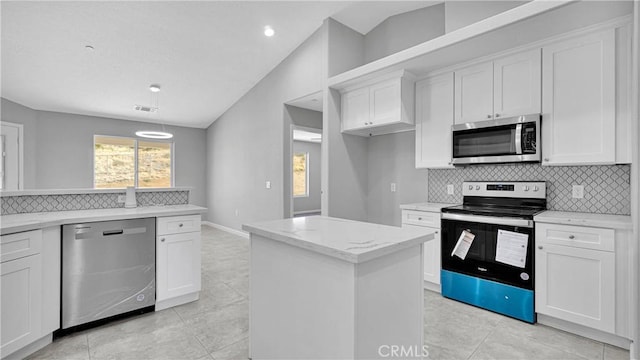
[{"x": 112, "y": 232}]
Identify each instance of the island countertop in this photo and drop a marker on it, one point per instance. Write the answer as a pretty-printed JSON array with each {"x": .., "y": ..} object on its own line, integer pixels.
[
  {"x": 25, "y": 222},
  {"x": 349, "y": 240}
]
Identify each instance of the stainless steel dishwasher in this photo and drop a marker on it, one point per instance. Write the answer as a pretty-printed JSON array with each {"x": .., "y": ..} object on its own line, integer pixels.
[{"x": 108, "y": 268}]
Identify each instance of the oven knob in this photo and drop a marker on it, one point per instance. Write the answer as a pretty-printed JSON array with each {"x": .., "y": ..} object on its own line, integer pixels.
[
  {"x": 535, "y": 188},
  {"x": 525, "y": 188},
  {"x": 470, "y": 187},
  {"x": 477, "y": 187}
]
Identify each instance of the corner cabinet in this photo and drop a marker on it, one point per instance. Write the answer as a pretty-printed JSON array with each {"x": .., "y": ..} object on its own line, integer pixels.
[
  {"x": 383, "y": 107},
  {"x": 582, "y": 277},
  {"x": 30, "y": 294},
  {"x": 434, "y": 117},
  {"x": 430, "y": 220},
  {"x": 506, "y": 87},
  {"x": 178, "y": 260}
]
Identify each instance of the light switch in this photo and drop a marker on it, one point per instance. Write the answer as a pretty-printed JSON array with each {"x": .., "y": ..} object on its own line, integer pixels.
[
  {"x": 268, "y": 184},
  {"x": 393, "y": 187}
]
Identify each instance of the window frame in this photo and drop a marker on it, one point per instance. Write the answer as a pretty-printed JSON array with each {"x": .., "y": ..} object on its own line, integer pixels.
[
  {"x": 135, "y": 160},
  {"x": 306, "y": 177}
]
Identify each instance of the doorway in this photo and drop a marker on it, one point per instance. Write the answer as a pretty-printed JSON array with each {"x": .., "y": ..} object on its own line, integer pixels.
[
  {"x": 11, "y": 156},
  {"x": 302, "y": 156}
]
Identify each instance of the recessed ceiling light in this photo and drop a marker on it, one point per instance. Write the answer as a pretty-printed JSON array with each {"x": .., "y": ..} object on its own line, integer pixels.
[
  {"x": 154, "y": 88},
  {"x": 154, "y": 134},
  {"x": 268, "y": 31}
]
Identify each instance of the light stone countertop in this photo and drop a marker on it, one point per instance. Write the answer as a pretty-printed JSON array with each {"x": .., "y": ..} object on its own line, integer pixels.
[
  {"x": 425, "y": 206},
  {"x": 25, "y": 222},
  {"x": 348, "y": 240},
  {"x": 622, "y": 222}
]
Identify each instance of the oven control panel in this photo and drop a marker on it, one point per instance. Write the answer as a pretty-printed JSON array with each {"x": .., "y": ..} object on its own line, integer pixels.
[{"x": 512, "y": 189}]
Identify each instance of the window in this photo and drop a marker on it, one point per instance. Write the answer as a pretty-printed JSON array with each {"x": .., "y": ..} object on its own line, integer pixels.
[
  {"x": 301, "y": 174},
  {"x": 120, "y": 162}
]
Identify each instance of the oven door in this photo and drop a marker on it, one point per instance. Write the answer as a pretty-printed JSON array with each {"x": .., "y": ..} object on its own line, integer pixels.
[{"x": 481, "y": 260}]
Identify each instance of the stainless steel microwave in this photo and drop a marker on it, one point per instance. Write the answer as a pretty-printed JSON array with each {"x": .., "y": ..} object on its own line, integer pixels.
[{"x": 507, "y": 140}]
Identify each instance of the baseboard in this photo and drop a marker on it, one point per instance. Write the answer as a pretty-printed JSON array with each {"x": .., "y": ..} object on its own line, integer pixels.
[
  {"x": 29, "y": 349},
  {"x": 244, "y": 234},
  {"x": 432, "y": 286},
  {"x": 584, "y": 331},
  {"x": 306, "y": 212}
]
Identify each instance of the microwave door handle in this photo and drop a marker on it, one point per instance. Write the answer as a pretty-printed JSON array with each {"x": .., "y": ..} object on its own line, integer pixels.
[{"x": 518, "y": 139}]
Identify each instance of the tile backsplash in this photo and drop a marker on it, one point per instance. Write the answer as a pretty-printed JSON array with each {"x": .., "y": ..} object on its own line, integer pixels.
[
  {"x": 607, "y": 189},
  {"x": 62, "y": 202}
]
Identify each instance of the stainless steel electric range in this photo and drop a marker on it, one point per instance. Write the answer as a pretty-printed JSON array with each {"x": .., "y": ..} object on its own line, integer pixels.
[{"x": 488, "y": 246}]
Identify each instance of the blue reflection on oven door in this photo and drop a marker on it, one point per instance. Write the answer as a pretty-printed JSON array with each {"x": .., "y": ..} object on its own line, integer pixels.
[{"x": 501, "y": 298}]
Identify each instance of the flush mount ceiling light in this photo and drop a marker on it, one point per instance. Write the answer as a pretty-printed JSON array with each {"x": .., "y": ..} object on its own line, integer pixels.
[
  {"x": 152, "y": 134},
  {"x": 268, "y": 31}
]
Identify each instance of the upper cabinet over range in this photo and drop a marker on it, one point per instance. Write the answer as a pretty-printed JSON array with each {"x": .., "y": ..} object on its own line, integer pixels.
[{"x": 506, "y": 87}]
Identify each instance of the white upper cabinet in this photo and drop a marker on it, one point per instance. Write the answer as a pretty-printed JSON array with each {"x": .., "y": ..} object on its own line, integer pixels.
[
  {"x": 506, "y": 87},
  {"x": 579, "y": 100},
  {"x": 474, "y": 93},
  {"x": 517, "y": 83},
  {"x": 380, "y": 108},
  {"x": 434, "y": 117}
]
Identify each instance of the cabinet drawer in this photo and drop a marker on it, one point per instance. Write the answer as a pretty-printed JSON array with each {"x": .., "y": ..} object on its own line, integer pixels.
[
  {"x": 421, "y": 218},
  {"x": 576, "y": 236},
  {"x": 14, "y": 246},
  {"x": 178, "y": 224}
]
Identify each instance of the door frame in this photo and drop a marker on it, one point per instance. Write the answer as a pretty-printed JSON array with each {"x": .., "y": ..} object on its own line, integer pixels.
[{"x": 20, "y": 128}]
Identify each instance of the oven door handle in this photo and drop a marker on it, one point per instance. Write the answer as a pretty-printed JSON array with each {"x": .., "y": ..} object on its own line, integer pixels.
[
  {"x": 518, "y": 139},
  {"x": 489, "y": 220}
]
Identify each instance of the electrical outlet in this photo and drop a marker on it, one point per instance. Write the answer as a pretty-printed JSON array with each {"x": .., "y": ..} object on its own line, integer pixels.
[
  {"x": 267, "y": 184},
  {"x": 450, "y": 189},
  {"x": 393, "y": 187},
  {"x": 577, "y": 191},
  {"x": 122, "y": 199}
]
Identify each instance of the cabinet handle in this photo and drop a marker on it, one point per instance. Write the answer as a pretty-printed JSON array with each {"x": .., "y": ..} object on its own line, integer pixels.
[
  {"x": 540, "y": 247},
  {"x": 571, "y": 237},
  {"x": 497, "y": 115},
  {"x": 435, "y": 232},
  {"x": 162, "y": 239},
  {"x": 419, "y": 218},
  {"x": 546, "y": 159},
  {"x": 489, "y": 116},
  {"x": 181, "y": 225}
]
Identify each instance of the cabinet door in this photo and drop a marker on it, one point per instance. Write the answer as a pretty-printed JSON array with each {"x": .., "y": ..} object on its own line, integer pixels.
[
  {"x": 384, "y": 102},
  {"x": 517, "y": 82},
  {"x": 576, "y": 285},
  {"x": 434, "y": 117},
  {"x": 578, "y": 101},
  {"x": 178, "y": 265},
  {"x": 474, "y": 93},
  {"x": 21, "y": 306},
  {"x": 431, "y": 256},
  {"x": 355, "y": 109}
]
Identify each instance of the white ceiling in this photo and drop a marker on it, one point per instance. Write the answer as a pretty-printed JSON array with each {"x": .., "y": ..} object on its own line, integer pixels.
[{"x": 204, "y": 55}]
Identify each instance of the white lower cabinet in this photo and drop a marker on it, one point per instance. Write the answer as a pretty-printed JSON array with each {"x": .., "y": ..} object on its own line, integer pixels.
[
  {"x": 430, "y": 220},
  {"x": 30, "y": 289},
  {"x": 178, "y": 261},
  {"x": 576, "y": 275}
]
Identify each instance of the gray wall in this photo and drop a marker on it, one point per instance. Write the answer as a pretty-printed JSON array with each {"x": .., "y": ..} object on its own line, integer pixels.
[
  {"x": 462, "y": 13},
  {"x": 403, "y": 31},
  {"x": 300, "y": 117},
  {"x": 16, "y": 113},
  {"x": 63, "y": 151},
  {"x": 245, "y": 145},
  {"x": 392, "y": 160},
  {"x": 311, "y": 202}
]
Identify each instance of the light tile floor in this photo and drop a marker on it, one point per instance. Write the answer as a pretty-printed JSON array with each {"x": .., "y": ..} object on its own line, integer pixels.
[{"x": 216, "y": 326}]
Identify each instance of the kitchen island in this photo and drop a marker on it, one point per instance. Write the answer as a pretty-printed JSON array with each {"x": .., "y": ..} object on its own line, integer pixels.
[{"x": 329, "y": 288}]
